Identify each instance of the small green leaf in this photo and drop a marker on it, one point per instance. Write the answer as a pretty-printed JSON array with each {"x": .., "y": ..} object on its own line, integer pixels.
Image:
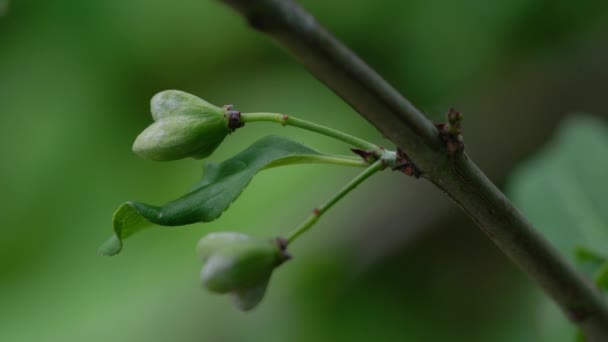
[
  {"x": 126, "y": 221},
  {"x": 587, "y": 260},
  {"x": 586, "y": 256},
  {"x": 220, "y": 186},
  {"x": 601, "y": 277}
]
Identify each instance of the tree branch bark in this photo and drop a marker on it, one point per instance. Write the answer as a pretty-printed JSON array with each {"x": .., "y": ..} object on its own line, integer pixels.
[{"x": 368, "y": 93}]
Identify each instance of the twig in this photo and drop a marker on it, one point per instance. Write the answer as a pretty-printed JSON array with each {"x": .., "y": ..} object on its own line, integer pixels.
[
  {"x": 318, "y": 212},
  {"x": 348, "y": 76}
]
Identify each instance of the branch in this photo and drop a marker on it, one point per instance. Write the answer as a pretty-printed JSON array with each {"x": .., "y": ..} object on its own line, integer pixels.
[{"x": 354, "y": 81}]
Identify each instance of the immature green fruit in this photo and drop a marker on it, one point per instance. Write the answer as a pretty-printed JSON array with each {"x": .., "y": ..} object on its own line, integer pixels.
[
  {"x": 185, "y": 126},
  {"x": 247, "y": 299},
  {"x": 240, "y": 265}
]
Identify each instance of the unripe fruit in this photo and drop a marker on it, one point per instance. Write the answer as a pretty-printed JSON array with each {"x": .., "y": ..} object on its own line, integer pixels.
[
  {"x": 213, "y": 241},
  {"x": 240, "y": 265},
  {"x": 248, "y": 299},
  {"x": 185, "y": 126}
]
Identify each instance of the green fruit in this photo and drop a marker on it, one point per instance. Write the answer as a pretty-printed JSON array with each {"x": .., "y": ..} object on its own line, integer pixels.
[
  {"x": 240, "y": 265},
  {"x": 185, "y": 126},
  {"x": 249, "y": 298},
  {"x": 176, "y": 103},
  {"x": 214, "y": 241}
]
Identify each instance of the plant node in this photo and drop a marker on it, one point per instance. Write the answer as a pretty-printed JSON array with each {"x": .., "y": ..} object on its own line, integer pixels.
[
  {"x": 282, "y": 244},
  {"x": 405, "y": 165},
  {"x": 450, "y": 132},
  {"x": 284, "y": 119},
  {"x": 233, "y": 117},
  {"x": 369, "y": 156}
]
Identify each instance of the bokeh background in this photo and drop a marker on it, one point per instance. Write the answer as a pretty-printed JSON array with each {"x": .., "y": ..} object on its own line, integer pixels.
[{"x": 395, "y": 261}]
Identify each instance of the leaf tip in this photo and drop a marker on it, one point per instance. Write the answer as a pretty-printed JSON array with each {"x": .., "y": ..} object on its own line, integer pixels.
[{"x": 111, "y": 247}]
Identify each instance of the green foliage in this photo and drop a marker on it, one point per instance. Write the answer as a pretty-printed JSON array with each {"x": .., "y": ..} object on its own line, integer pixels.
[
  {"x": 601, "y": 277},
  {"x": 562, "y": 191},
  {"x": 220, "y": 186}
]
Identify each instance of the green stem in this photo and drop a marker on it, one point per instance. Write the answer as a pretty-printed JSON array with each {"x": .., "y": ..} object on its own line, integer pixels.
[
  {"x": 312, "y": 219},
  {"x": 322, "y": 159},
  {"x": 288, "y": 120}
]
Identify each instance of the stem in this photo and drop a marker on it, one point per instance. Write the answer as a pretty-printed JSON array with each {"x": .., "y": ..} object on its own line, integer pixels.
[
  {"x": 288, "y": 120},
  {"x": 312, "y": 219},
  {"x": 322, "y": 159},
  {"x": 346, "y": 74}
]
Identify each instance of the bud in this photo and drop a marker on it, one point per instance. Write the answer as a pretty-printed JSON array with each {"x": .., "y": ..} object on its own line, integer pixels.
[
  {"x": 240, "y": 265},
  {"x": 185, "y": 126}
]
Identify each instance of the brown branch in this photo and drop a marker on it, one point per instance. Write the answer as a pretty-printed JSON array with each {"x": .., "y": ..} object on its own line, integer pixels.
[{"x": 348, "y": 76}]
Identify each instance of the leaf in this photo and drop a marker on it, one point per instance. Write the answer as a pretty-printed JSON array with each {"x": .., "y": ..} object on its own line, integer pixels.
[
  {"x": 588, "y": 261},
  {"x": 211, "y": 196},
  {"x": 601, "y": 277},
  {"x": 552, "y": 325},
  {"x": 562, "y": 190}
]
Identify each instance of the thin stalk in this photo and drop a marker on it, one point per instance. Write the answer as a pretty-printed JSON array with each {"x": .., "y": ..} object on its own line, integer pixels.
[
  {"x": 288, "y": 120},
  {"x": 312, "y": 219},
  {"x": 322, "y": 159}
]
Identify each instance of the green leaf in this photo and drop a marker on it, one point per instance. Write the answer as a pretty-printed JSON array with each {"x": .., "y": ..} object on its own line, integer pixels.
[
  {"x": 551, "y": 323},
  {"x": 588, "y": 261},
  {"x": 220, "y": 186},
  {"x": 563, "y": 189},
  {"x": 586, "y": 256},
  {"x": 601, "y": 277}
]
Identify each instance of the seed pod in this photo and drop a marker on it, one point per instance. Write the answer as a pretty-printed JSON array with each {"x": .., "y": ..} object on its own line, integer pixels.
[
  {"x": 176, "y": 102},
  {"x": 185, "y": 126},
  {"x": 248, "y": 299},
  {"x": 213, "y": 241},
  {"x": 240, "y": 265}
]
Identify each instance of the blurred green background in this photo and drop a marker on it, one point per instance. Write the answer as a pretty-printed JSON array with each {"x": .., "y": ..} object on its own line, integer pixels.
[{"x": 395, "y": 261}]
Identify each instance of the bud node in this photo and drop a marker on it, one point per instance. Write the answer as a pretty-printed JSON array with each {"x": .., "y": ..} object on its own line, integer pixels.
[
  {"x": 284, "y": 119},
  {"x": 234, "y": 119}
]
